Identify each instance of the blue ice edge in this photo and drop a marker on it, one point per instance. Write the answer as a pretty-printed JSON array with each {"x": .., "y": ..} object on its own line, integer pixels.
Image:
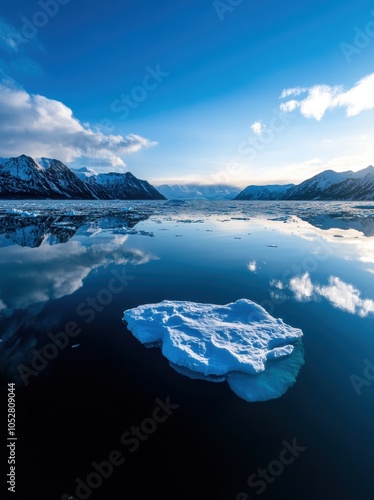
[{"x": 259, "y": 356}]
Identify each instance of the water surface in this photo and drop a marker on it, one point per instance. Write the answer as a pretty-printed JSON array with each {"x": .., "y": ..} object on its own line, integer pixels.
[{"x": 77, "y": 266}]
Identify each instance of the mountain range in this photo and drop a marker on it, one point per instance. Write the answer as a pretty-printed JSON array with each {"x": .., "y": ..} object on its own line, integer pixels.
[
  {"x": 198, "y": 192},
  {"x": 326, "y": 186},
  {"x": 23, "y": 177}
]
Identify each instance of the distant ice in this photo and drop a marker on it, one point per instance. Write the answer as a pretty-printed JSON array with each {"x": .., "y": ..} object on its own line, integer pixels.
[
  {"x": 176, "y": 203},
  {"x": 140, "y": 232},
  {"x": 72, "y": 213},
  {"x": 259, "y": 356},
  {"x": 21, "y": 213},
  {"x": 190, "y": 221},
  {"x": 252, "y": 266}
]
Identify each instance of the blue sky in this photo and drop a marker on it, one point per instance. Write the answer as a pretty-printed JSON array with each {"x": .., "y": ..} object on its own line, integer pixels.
[{"x": 190, "y": 90}]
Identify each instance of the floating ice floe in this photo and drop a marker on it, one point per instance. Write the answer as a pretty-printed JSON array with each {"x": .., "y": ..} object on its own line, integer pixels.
[
  {"x": 21, "y": 213},
  {"x": 175, "y": 203},
  {"x": 258, "y": 355},
  {"x": 190, "y": 221},
  {"x": 133, "y": 232}
]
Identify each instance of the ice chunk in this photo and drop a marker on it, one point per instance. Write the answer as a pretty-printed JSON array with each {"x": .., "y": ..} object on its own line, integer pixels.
[
  {"x": 21, "y": 213},
  {"x": 279, "y": 376},
  {"x": 259, "y": 356},
  {"x": 175, "y": 203}
]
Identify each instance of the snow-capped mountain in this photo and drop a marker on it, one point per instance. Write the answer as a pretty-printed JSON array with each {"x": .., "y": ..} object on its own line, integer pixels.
[
  {"x": 96, "y": 190},
  {"x": 84, "y": 173},
  {"x": 328, "y": 185},
  {"x": 23, "y": 177},
  {"x": 198, "y": 192},
  {"x": 271, "y": 192},
  {"x": 62, "y": 178},
  {"x": 124, "y": 186}
]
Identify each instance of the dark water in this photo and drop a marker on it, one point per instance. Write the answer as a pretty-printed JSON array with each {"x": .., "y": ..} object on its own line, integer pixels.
[{"x": 79, "y": 266}]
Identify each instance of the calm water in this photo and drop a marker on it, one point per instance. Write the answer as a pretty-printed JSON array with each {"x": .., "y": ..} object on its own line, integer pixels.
[{"x": 77, "y": 266}]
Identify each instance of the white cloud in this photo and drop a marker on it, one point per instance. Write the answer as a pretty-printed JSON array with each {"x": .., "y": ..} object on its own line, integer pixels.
[
  {"x": 346, "y": 297},
  {"x": 321, "y": 98},
  {"x": 289, "y": 106},
  {"x": 38, "y": 126},
  {"x": 342, "y": 295},
  {"x": 277, "y": 284},
  {"x": 302, "y": 287},
  {"x": 359, "y": 98},
  {"x": 278, "y": 297},
  {"x": 257, "y": 127},
  {"x": 292, "y": 92},
  {"x": 252, "y": 266}
]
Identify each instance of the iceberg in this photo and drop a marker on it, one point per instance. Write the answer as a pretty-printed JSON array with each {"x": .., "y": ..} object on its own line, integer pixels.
[{"x": 258, "y": 355}]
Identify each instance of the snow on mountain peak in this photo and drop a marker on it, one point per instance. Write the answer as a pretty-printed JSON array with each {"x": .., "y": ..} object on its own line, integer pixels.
[
  {"x": 45, "y": 162},
  {"x": 364, "y": 172},
  {"x": 84, "y": 172}
]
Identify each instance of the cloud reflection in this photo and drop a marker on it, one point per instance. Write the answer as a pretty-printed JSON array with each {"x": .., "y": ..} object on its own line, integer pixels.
[
  {"x": 30, "y": 276},
  {"x": 340, "y": 294}
]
